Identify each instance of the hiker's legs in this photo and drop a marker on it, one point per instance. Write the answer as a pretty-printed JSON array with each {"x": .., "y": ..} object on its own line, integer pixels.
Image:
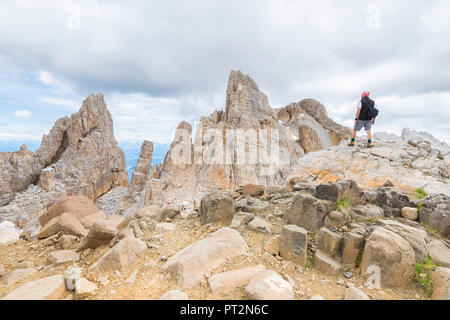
[
  {"x": 369, "y": 135},
  {"x": 354, "y": 134}
]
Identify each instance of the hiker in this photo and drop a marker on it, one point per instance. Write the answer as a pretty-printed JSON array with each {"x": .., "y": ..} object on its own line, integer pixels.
[{"x": 365, "y": 117}]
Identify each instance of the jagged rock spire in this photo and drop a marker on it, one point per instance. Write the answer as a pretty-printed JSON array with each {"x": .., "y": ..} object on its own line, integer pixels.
[{"x": 245, "y": 102}]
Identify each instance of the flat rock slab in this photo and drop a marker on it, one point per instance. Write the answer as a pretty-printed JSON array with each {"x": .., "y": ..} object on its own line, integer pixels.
[
  {"x": 391, "y": 255},
  {"x": 269, "y": 285},
  {"x": 440, "y": 253},
  {"x": 50, "y": 288},
  {"x": 62, "y": 257},
  {"x": 189, "y": 266},
  {"x": 18, "y": 275},
  {"x": 225, "y": 282},
  {"x": 65, "y": 223}
]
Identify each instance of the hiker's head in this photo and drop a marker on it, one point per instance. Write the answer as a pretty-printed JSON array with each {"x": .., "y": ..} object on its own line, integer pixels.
[{"x": 365, "y": 94}]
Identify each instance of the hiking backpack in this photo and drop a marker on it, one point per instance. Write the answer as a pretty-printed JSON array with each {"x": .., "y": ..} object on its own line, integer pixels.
[{"x": 368, "y": 108}]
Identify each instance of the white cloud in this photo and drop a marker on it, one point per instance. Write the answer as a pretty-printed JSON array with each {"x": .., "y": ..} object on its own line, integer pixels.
[
  {"x": 22, "y": 114},
  {"x": 66, "y": 103}
]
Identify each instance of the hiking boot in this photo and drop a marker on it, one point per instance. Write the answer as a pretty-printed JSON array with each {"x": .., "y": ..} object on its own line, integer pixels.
[
  {"x": 351, "y": 144},
  {"x": 369, "y": 145}
]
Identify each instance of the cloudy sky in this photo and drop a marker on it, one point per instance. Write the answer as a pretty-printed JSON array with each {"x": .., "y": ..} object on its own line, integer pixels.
[{"x": 160, "y": 62}]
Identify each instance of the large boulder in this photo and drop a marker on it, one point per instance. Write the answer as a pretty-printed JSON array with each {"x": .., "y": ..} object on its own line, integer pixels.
[
  {"x": 89, "y": 221},
  {"x": 120, "y": 257},
  {"x": 326, "y": 264},
  {"x": 65, "y": 223},
  {"x": 333, "y": 191},
  {"x": 101, "y": 233},
  {"x": 253, "y": 190},
  {"x": 435, "y": 212},
  {"x": 308, "y": 212},
  {"x": 416, "y": 237},
  {"x": 189, "y": 266},
  {"x": 392, "y": 254},
  {"x": 50, "y": 288},
  {"x": 216, "y": 208},
  {"x": 79, "y": 206},
  {"x": 269, "y": 285}
]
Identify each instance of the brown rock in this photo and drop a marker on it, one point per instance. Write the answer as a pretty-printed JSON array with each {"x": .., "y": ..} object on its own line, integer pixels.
[
  {"x": 142, "y": 169},
  {"x": 328, "y": 241},
  {"x": 169, "y": 212},
  {"x": 253, "y": 190},
  {"x": 241, "y": 219},
  {"x": 68, "y": 241},
  {"x": 307, "y": 212},
  {"x": 216, "y": 208},
  {"x": 309, "y": 139},
  {"x": 189, "y": 266},
  {"x": 101, "y": 233},
  {"x": 152, "y": 211},
  {"x": 62, "y": 257},
  {"x": 78, "y": 206},
  {"x": 88, "y": 221},
  {"x": 410, "y": 213},
  {"x": 65, "y": 223},
  {"x": 119, "y": 257}
]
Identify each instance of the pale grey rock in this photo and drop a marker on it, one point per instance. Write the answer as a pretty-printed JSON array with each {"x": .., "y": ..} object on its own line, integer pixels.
[
  {"x": 175, "y": 295},
  {"x": 269, "y": 285},
  {"x": 189, "y": 266},
  {"x": 50, "y": 288}
]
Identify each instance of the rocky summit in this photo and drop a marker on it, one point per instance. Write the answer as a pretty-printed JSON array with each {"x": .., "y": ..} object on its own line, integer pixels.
[{"x": 254, "y": 203}]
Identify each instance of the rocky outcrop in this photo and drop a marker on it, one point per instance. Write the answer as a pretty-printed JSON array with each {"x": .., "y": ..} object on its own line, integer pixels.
[
  {"x": 247, "y": 143},
  {"x": 50, "y": 288},
  {"x": 142, "y": 170},
  {"x": 406, "y": 166},
  {"x": 79, "y": 156}
]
